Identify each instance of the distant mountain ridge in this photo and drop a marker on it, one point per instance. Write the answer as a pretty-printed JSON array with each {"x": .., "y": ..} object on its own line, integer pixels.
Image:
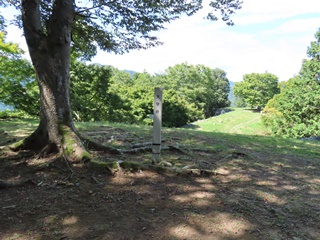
[{"x": 131, "y": 72}]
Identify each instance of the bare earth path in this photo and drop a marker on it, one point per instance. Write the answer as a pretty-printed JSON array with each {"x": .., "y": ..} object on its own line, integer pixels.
[
  {"x": 252, "y": 196},
  {"x": 232, "y": 130}
]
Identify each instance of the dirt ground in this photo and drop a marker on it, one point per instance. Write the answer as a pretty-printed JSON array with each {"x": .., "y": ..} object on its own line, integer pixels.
[{"x": 251, "y": 195}]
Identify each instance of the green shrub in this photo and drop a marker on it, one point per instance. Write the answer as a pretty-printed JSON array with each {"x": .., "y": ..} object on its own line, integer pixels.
[
  {"x": 6, "y": 114},
  {"x": 295, "y": 111}
]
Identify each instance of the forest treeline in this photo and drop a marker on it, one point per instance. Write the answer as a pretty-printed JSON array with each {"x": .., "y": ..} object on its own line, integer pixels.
[
  {"x": 105, "y": 93},
  {"x": 191, "y": 92}
]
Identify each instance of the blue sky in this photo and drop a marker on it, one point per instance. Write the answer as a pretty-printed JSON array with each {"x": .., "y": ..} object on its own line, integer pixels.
[{"x": 269, "y": 35}]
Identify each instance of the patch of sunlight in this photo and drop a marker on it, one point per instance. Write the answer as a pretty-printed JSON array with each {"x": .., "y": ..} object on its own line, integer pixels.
[
  {"x": 266, "y": 183},
  {"x": 314, "y": 180},
  {"x": 199, "y": 198},
  {"x": 180, "y": 199},
  {"x": 231, "y": 225},
  {"x": 70, "y": 220},
  {"x": 120, "y": 180},
  {"x": 281, "y": 164},
  {"x": 51, "y": 219},
  {"x": 206, "y": 183},
  {"x": 289, "y": 187},
  {"x": 203, "y": 180},
  {"x": 201, "y": 195},
  {"x": 19, "y": 236},
  {"x": 216, "y": 226},
  {"x": 269, "y": 197},
  {"x": 314, "y": 192},
  {"x": 21, "y": 133},
  {"x": 238, "y": 177},
  {"x": 184, "y": 231},
  {"x": 189, "y": 188},
  {"x": 222, "y": 170},
  {"x": 75, "y": 232},
  {"x": 38, "y": 161}
]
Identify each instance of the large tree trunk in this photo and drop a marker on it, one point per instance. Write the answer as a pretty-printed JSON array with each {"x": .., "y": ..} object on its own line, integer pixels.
[{"x": 50, "y": 54}]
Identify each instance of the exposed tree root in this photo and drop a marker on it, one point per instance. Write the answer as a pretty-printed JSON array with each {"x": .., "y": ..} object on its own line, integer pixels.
[
  {"x": 118, "y": 166},
  {"x": 48, "y": 149},
  {"x": 147, "y": 147},
  {"x": 19, "y": 155},
  {"x": 92, "y": 145},
  {"x": 70, "y": 145}
]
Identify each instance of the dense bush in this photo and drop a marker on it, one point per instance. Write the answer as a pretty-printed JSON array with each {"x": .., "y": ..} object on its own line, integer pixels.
[
  {"x": 295, "y": 112},
  {"x": 138, "y": 105},
  {"x": 8, "y": 114},
  {"x": 90, "y": 94}
]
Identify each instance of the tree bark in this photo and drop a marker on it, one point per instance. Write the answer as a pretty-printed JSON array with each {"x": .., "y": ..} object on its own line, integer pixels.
[{"x": 49, "y": 49}]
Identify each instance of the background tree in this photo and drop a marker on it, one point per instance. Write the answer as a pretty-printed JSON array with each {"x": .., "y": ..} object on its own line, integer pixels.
[
  {"x": 239, "y": 102},
  {"x": 136, "y": 94},
  {"x": 311, "y": 67},
  {"x": 295, "y": 112},
  {"x": 121, "y": 77},
  {"x": 51, "y": 26},
  {"x": 91, "y": 99},
  {"x": 18, "y": 86},
  {"x": 257, "y": 89},
  {"x": 217, "y": 94},
  {"x": 204, "y": 87}
]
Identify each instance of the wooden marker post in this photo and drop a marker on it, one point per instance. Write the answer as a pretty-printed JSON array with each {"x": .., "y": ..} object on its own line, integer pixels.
[{"x": 157, "y": 122}]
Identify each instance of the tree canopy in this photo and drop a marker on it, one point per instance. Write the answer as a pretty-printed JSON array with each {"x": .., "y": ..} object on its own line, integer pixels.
[
  {"x": 114, "y": 26},
  {"x": 18, "y": 86},
  {"x": 257, "y": 89},
  {"x": 200, "y": 85}
]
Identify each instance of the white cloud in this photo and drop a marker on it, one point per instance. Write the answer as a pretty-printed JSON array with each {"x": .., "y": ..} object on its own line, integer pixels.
[
  {"x": 298, "y": 26},
  {"x": 259, "y": 11}
]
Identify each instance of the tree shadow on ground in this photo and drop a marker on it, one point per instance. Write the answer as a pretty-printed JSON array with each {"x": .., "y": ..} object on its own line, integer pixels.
[{"x": 259, "y": 195}]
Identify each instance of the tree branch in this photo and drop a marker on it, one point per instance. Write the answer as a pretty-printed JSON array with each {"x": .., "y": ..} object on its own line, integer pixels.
[
  {"x": 60, "y": 22},
  {"x": 88, "y": 9},
  {"x": 31, "y": 18}
]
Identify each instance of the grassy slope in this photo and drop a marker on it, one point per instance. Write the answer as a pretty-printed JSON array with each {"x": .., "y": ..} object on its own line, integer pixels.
[
  {"x": 244, "y": 128},
  {"x": 237, "y": 129},
  {"x": 238, "y": 121}
]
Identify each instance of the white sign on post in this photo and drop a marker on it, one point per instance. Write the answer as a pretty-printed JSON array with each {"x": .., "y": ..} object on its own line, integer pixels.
[{"x": 157, "y": 122}]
